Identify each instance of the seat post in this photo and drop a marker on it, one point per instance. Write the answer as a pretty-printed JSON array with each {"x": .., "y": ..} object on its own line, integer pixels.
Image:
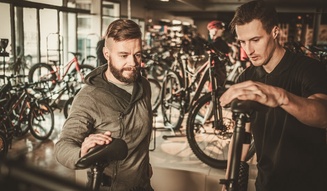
[{"x": 96, "y": 176}]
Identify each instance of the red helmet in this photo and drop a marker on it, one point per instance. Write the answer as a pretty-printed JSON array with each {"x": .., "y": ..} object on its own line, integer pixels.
[{"x": 215, "y": 24}]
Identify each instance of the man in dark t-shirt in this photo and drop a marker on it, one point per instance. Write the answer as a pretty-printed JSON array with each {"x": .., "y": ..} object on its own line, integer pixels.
[{"x": 290, "y": 136}]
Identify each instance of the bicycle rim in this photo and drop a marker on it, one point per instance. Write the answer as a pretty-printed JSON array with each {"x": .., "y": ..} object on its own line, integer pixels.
[
  {"x": 171, "y": 101},
  {"x": 78, "y": 77},
  {"x": 158, "y": 71},
  {"x": 19, "y": 118},
  {"x": 209, "y": 144},
  {"x": 155, "y": 93},
  {"x": 67, "y": 106},
  {"x": 41, "y": 121},
  {"x": 43, "y": 72},
  {"x": 90, "y": 60}
]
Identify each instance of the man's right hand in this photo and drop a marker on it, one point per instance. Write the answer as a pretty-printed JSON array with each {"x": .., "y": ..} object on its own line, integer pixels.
[{"x": 95, "y": 139}]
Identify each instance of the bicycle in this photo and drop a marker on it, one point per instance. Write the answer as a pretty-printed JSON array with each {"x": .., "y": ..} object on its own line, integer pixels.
[
  {"x": 23, "y": 110},
  {"x": 53, "y": 75},
  {"x": 66, "y": 92},
  {"x": 182, "y": 86},
  {"x": 210, "y": 127},
  {"x": 156, "y": 60}
]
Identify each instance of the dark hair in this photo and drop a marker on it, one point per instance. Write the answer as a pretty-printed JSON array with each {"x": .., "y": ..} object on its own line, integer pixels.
[
  {"x": 123, "y": 29},
  {"x": 258, "y": 9}
]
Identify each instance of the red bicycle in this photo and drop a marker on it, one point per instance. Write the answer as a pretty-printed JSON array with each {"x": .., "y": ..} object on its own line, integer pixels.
[{"x": 54, "y": 74}]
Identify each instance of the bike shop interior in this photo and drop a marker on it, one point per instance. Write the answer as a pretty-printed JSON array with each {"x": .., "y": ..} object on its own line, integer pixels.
[{"x": 34, "y": 32}]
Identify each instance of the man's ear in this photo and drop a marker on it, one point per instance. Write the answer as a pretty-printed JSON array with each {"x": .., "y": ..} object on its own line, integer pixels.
[
  {"x": 105, "y": 52},
  {"x": 275, "y": 32}
]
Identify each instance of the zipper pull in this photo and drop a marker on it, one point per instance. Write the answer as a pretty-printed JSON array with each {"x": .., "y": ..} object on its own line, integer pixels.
[{"x": 121, "y": 115}]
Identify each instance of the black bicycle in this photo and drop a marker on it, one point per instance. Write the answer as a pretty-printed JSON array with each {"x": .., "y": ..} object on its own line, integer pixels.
[{"x": 183, "y": 84}]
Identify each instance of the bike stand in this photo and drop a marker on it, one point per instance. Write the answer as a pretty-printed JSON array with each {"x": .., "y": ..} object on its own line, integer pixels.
[
  {"x": 165, "y": 137},
  {"x": 173, "y": 136}
]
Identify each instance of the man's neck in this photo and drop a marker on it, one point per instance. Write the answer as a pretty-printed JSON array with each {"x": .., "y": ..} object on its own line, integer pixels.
[{"x": 275, "y": 59}]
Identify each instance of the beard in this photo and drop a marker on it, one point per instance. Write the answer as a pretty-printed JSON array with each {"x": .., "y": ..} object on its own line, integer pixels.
[{"x": 118, "y": 73}]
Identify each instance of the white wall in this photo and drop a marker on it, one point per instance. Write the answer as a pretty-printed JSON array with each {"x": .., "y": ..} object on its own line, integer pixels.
[{"x": 5, "y": 22}]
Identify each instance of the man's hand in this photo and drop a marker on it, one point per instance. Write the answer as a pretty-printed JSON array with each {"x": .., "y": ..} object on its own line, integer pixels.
[
  {"x": 95, "y": 139},
  {"x": 249, "y": 90}
]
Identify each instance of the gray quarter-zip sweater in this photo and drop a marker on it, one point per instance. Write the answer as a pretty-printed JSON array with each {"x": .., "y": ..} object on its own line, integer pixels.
[{"x": 109, "y": 108}]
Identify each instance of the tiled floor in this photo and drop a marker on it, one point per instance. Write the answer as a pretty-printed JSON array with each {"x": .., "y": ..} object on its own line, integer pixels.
[{"x": 175, "y": 166}]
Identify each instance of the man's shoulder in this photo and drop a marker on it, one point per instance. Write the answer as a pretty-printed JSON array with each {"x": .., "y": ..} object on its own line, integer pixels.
[{"x": 299, "y": 58}]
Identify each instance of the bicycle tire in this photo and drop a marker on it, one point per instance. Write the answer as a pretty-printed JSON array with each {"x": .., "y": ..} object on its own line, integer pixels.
[
  {"x": 90, "y": 60},
  {"x": 171, "y": 101},
  {"x": 18, "y": 119},
  {"x": 23, "y": 121},
  {"x": 208, "y": 145},
  {"x": 84, "y": 70},
  {"x": 158, "y": 70},
  {"x": 46, "y": 74},
  {"x": 155, "y": 93},
  {"x": 67, "y": 106},
  {"x": 41, "y": 121}
]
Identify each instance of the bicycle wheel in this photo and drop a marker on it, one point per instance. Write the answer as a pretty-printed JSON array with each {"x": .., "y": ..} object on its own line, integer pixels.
[
  {"x": 79, "y": 76},
  {"x": 155, "y": 93},
  {"x": 90, "y": 60},
  {"x": 18, "y": 116},
  {"x": 208, "y": 143},
  {"x": 20, "y": 120},
  {"x": 43, "y": 72},
  {"x": 41, "y": 121},
  {"x": 158, "y": 70},
  {"x": 171, "y": 101},
  {"x": 67, "y": 106}
]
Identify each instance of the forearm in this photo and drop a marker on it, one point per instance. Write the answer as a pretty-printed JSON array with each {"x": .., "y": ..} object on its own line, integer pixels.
[
  {"x": 67, "y": 149},
  {"x": 311, "y": 111},
  {"x": 67, "y": 153}
]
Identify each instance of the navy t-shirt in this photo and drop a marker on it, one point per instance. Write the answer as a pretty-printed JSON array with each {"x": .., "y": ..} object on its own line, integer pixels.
[{"x": 291, "y": 155}]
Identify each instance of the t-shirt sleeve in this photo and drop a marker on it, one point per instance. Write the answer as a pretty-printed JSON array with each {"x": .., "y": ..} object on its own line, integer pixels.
[{"x": 314, "y": 79}]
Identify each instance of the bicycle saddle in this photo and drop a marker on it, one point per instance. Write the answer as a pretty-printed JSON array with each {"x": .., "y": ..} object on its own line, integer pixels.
[
  {"x": 246, "y": 106},
  {"x": 116, "y": 150}
]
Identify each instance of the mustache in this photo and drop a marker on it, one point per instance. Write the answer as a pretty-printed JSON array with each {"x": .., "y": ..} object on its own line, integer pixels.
[{"x": 131, "y": 68}]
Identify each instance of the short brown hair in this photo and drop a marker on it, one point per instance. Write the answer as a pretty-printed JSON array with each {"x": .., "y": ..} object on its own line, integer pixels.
[
  {"x": 258, "y": 9},
  {"x": 123, "y": 29}
]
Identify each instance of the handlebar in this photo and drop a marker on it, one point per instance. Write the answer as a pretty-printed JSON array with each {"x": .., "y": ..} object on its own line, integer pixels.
[{"x": 116, "y": 150}]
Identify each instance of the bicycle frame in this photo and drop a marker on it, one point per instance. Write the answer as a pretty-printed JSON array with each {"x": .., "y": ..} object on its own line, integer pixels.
[
  {"x": 206, "y": 70},
  {"x": 67, "y": 88},
  {"x": 67, "y": 66},
  {"x": 24, "y": 103},
  {"x": 181, "y": 98}
]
